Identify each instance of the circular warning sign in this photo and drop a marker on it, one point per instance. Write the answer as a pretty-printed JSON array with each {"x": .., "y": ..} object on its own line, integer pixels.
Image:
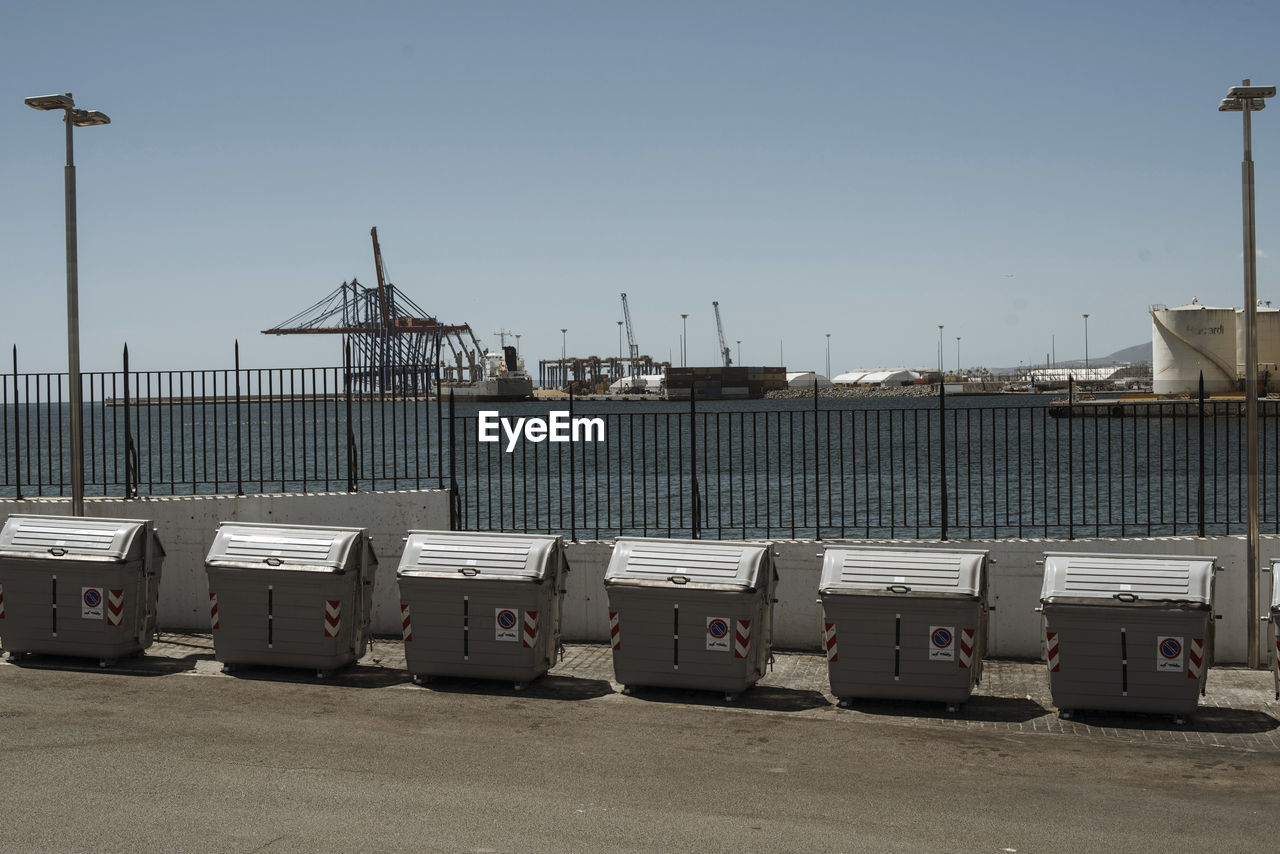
[
  {"x": 718, "y": 628},
  {"x": 92, "y": 597},
  {"x": 507, "y": 618},
  {"x": 941, "y": 638},
  {"x": 1171, "y": 648}
]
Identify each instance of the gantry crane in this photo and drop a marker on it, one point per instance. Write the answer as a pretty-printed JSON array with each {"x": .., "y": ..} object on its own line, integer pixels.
[
  {"x": 724, "y": 348},
  {"x": 395, "y": 344},
  {"x": 633, "y": 350}
]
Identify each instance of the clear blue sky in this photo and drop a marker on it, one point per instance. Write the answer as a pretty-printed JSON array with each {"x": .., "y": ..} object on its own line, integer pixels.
[{"x": 868, "y": 169}]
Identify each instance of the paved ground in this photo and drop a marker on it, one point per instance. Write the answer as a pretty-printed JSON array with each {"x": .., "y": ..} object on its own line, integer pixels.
[{"x": 166, "y": 753}]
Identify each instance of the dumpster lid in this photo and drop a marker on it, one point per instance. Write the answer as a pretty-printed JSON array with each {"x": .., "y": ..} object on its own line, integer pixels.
[
  {"x": 856, "y": 570},
  {"x": 1116, "y": 579},
  {"x": 458, "y": 554},
  {"x": 253, "y": 545},
  {"x": 78, "y": 537},
  {"x": 706, "y": 564}
]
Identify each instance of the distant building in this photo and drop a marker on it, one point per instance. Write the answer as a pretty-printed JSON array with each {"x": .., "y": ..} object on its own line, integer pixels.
[
  {"x": 884, "y": 378},
  {"x": 805, "y": 379}
]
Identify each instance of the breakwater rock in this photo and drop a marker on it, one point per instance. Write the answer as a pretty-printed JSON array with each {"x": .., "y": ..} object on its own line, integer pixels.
[{"x": 848, "y": 391}]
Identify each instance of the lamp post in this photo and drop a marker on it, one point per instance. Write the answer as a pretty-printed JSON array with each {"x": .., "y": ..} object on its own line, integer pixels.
[
  {"x": 739, "y": 351},
  {"x": 957, "y": 354},
  {"x": 828, "y": 355},
  {"x": 939, "y": 352},
  {"x": 73, "y": 118},
  {"x": 1086, "y": 345},
  {"x": 619, "y": 350},
  {"x": 1245, "y": 99},
  {"x": 564, "y": 379},
  {"x": 684, "y": 340}
]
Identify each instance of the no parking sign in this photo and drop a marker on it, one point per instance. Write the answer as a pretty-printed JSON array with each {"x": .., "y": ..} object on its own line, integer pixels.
[
  {"x": 91, "y": 603},
  {"x": 505, "y": 622},
  {"x": 1168, "y": 654},
  {"x": 718, "y": 634},
  {"x": 942, "y": 643}
]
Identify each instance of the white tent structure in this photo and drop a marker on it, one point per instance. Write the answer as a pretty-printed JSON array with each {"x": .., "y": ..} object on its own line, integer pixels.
[
  {"x": 652, "y": 384},
  {"x": 804, "y": 379},
  {"x": 881, "y": 377}
]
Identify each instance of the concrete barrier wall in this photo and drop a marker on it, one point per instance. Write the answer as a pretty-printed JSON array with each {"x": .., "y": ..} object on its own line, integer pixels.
[{"x": 186, "y": 526}]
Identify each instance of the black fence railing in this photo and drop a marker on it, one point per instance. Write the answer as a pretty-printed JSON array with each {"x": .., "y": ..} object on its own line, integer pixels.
[{"x": 1007, "y": 466}]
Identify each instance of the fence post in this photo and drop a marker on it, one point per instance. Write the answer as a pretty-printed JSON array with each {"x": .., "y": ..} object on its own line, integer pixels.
[
  {"x": 130, "y": 452},
  {"x": 573, "y": 507},
  {"x": 817, "y": 479},
  {"x": 239, "y": 443},
  {"x": 1200, "y": 485},
  {"x": 440, "y": 428},
  {"x": 695, "y": 528},
  {"x": 17, "y": 434},
  {"x": 352, "y": 451},
  {"x": 942, "y": 456},
  {"x": 455, "y": 500}
]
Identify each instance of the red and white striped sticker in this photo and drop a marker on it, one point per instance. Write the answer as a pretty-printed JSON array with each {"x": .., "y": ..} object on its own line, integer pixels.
[
  {"x": 530, "y": 635},
  {"x": 615, "y": 637},
  {"x": 332, "y": 617},
  {"x": 742, "y": 639},
  {"x": 406, "y": 627},
  {"x": 829, "y": 641},
  {"x": 1195, "y": 658},
  {"x": 213, "y": 609},
  {"x": 115, "y": 607},
  {"x": 1051, "y": 644},
  {"x": 966, "y": 649}
]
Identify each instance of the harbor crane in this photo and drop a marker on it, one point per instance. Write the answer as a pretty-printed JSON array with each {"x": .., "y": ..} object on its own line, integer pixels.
[
  {"x": 724, "y": 348},
  {"x": 634, "y": 351}
]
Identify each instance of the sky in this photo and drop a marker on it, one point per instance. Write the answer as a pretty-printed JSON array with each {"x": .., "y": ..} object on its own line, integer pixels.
[{"x": 864, "y": 169}]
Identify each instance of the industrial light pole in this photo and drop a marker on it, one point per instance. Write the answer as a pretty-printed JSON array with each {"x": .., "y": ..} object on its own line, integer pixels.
[
  {"x": 1245, "y": 99},
  {"x": 684, "y": 340},
  {"x": 957, "y": 354},
  {"x": 73, "y": 118},
  {"x": 828, "y": 355},
  {"x": 619, "y": 349},
  {"x": 739, "y": 351},
  {"x": 1086, "y": 344},
  {"x": 939, "y": 352}
]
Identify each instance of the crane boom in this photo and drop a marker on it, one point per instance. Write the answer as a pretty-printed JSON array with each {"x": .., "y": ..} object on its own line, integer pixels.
[
  {"x": 632, "y": 349},
  {"x": 382, "y": 284},
  {"x": 724, "y": 348}
]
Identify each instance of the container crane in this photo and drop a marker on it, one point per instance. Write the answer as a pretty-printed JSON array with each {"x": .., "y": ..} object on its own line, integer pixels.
[
  {"x": 724, "y": 348},
  {"x": 634, "y": 351}
]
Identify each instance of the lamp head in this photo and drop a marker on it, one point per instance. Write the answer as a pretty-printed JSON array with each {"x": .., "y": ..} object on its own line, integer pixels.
[
  {"x": 50, "y": 102},
  {"x": 1236, "y": 105},
  {"x": 88, "y": 118},
  {"x": 1244, "y": 92}
]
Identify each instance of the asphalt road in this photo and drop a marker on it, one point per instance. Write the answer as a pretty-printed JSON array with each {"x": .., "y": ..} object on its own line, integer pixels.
[{"x": 209, "y": 763}]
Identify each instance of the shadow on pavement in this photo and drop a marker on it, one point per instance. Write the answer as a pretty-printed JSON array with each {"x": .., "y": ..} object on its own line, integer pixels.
[
  {"x": 771, "y": 698},
  {"x": 569, "y": 688},
  {"x": 1213, "y": 719},
  {"x": 351, "y": 676},
  {"x": 136, "y": 665},
  {"x": 977, "y": 708}
]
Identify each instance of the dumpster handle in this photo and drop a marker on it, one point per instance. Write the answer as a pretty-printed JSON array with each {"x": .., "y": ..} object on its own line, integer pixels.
[
  {"x": 899, "y": 588},
  {"x": 57, "y": 552},
  {"x": 273, "y": 561},
  {"x": 1126, "y": 597},
  {"x": 469, "y": 571},
  {"x": 678, "y": 579}
]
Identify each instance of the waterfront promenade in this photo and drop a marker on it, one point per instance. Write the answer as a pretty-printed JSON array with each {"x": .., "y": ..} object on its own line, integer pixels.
[{"x": 166, "y": 753}]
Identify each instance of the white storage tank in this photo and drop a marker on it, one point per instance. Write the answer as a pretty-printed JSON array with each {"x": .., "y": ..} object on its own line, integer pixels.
[
  {"x": 1268, "y": 340},
  {"x": 1189, "y": 339}
]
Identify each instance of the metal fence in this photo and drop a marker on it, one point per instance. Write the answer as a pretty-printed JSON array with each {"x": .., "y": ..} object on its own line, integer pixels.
[{"x": 820, "y": 468}]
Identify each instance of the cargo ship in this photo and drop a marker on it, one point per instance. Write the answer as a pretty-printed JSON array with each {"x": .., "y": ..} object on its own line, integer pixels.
[{"x": 503, "y": 379}]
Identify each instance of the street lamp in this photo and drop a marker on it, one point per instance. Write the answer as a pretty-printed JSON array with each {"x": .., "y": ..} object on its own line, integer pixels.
[
  {"x": 957, "y": 354},
  {"x": 77, "y": 118},
  {"x": 684, "y": 340},
  {"x": 828, "y": 355},
  {"x": 1245, "y": 99},
  {"x": 939, "y": 351},
  {"x": 1086, "y": 345},
  {"x": 619, "y": 350},
  {"x": 739, "y": 351}
]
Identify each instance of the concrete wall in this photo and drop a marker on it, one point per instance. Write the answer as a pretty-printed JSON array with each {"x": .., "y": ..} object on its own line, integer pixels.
[
  {"x": 1014, "y": 588},
  {"x": 186, "y": 526}
]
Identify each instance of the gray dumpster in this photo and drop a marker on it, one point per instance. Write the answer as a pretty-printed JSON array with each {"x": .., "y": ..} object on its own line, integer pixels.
[
  {"x": 1127, "y": 632},
  {"x": 481, "y": 605},
  {"x": 289, "y": 595},
  {"x": 72, "y": 585},
  {"x": 690, "y": 613},
  {"x": 903, "y": 623}
]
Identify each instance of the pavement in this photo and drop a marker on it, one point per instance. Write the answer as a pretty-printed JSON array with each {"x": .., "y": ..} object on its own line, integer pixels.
[{"x": 165, "y": 752}]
